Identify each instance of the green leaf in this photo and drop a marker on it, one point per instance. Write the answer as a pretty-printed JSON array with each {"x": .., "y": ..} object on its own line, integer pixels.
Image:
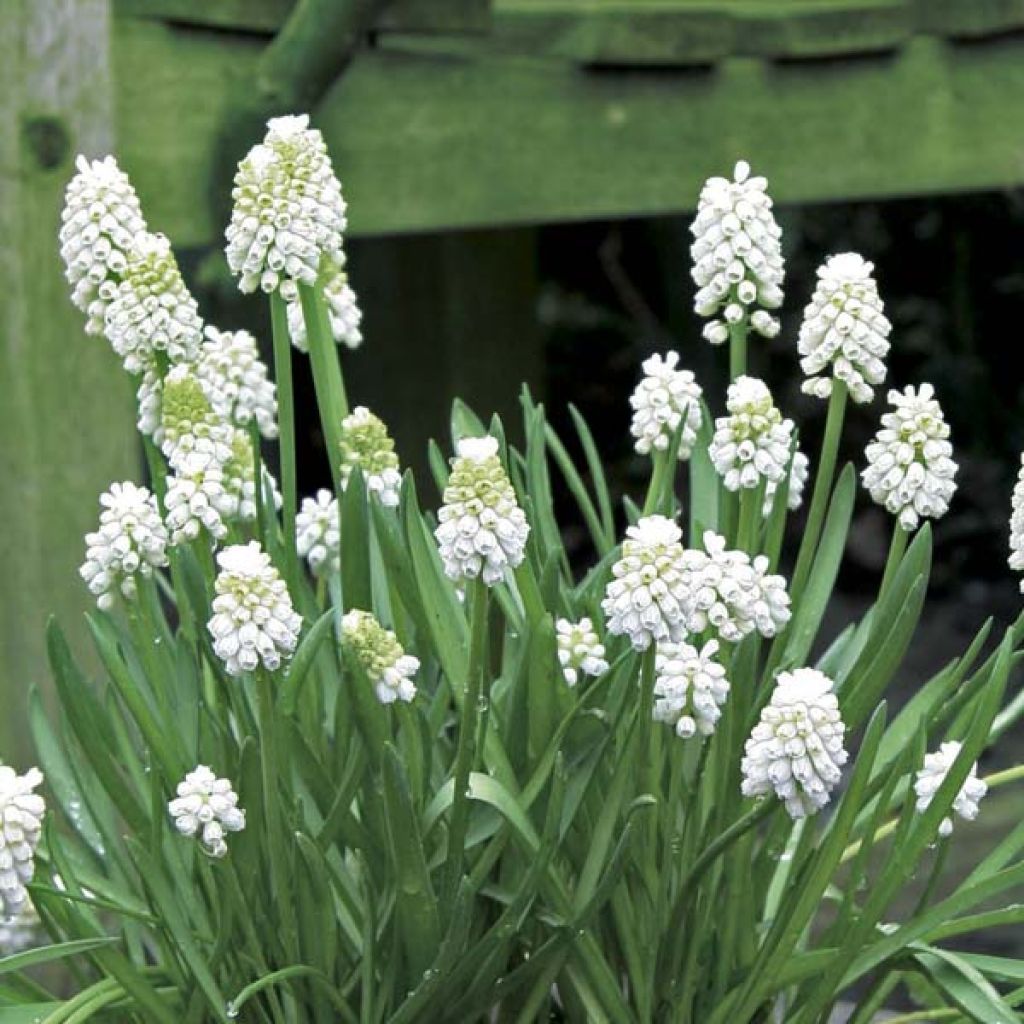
[
  {"x": 355, "y": 545},
  {"x": 703, "y": 481},
  {"x": 966, "y": 986},
  {"x": 305, "y": 655},
  {"x": 48, "y": 954}
]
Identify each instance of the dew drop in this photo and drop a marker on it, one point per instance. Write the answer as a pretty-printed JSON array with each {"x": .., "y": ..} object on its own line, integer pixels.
[{"x": 231, "y": 1011}]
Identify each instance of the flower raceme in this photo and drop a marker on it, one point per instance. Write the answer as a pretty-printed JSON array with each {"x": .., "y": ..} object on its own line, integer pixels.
[
  {"x": 131, "y": 541},
  {"x": 690, "y": 688},
  {"x": 318, "y": 533},
  {"x": 21, "y": 822},
  {"x": 235, "y": 379},
  {"x": 206, "y": 807},
  {"x": 289, "y": 214},
  {"x": 580, "y": 651},
  {"x": 482, "y": 530},
  {"x": 752, "y": 444},
  {"x": 845, "y": 333},
  {"x": 100, "y": 221},
  {"x": 664, "y": 399},
  {"x": 366, "y": 445},
  {"x": 910, "y": 471},
  {"x": 737, "y": 256},
  {"x": 796, "y": 749},
  {"x": 1016, "y": 559},
  {"x": 378, "y": 651},
  {"x": 933, "y": 773},
  {"x": 253, "y": 621}
]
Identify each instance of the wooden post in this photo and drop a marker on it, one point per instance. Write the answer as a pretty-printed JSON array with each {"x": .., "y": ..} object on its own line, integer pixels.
[{"x": 66, "y": 408}]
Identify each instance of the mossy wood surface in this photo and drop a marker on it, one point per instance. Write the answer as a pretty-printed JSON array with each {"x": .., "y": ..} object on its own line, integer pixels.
[
  {"x": 433, "y": 131},
  {"x": 66, "y": 410}
]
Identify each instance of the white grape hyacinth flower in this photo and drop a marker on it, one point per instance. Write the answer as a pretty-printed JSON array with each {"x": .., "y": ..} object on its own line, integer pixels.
[
  {"x": 131, "y": 541},
  {"x": 21, "y": 931},
  {"x": 237, "y": 380},
  {"x": 580, "y": 651},
  {"x": 690, "y": 688},
  {"x": 382, "y": 657},
  {"x": 482, "y": 531},
  {"x": 737, "y": 255},
  {"x": 21, "y": 823},
  {"x": 151, "y": 310},
  {"x": 731, "y": 593},
  {"x": 149, "y": 400},
  {"x": 910, "y": 469},
  {"x": 206, "y": 807},
  {"x": 189, "y": 418},
  {"x": 753, "y": 443},
  {"x": 796, "y": 749},
  {"x": 289, "y": 214},
  {"x": 665, "y": 398},
  {"x": 646, "y": 597},
  {"x": 367, "y": 445},
  {"x": 318, "y": 534},
  {"x": 240, "y": 481},
  {"x": 100, "y": 221},
  {"x": 196, "y": 495},
  {"x": 1016, "y": 559},
  {"x": 845, "y": 333},
  {"x": 343, "y": 312},
  {"x": 253, "y": 620},
  {"x": 936, "y": 767},
  {"x": 799, "y": 472}
]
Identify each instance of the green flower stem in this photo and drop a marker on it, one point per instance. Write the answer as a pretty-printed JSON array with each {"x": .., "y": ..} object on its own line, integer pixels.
[
  {"x": 270, "y": 774},
  {"x": 327, "y": 378},
  {"x": 477, "y": 595},
  {"x": 822, "y": 489},
  {"x": 286, "y": 428},
  {"x": 897, "y": 547},
  {"x": 656, "y": 487},
  {"x": 738, "y": 349},
  {"x": 751, "y": 500}
]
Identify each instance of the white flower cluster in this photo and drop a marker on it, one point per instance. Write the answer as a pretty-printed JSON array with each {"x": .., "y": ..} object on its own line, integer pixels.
[
  {"x": 646, "y": 596},
  {"x": 21, "y": 931},
  {"x": 845, "y": 329},
  {"x": 236, "y": 379},
  {"x": 318, "y": 533},
  {"x": 733, "y": 594},
  {"x": 737, "y": 255},
  {"x": 100, "y": 220},
  {"x": 343, "y": 312},
  {"x": 1016, "y": 559},
  {"x": 21, "y": 822},
  {"x": 690, "y": 688},
  {"x": 936, "y": 767},
  {"x": 753, "y": 442},
  {"x": 799, "y": 471},
  {"x": 366, "y": 444},
  {"x": 150, "y": 310},
  {"x": 665, "y": 398},
  {"x": 580, "y": 650},
  {"x": 385, "y": 663},
  {"x": 796, "y": 749},
  {"x": 910, "y": 470},
  {"x": 253, "y": 622},
  {"x": 482, "y": 530},
  {"x": 131, "y": 540},
  {"x": 208, "y": 807},
  {"x": 195, "y": 495},
  {"x": 289, "y": 214}
]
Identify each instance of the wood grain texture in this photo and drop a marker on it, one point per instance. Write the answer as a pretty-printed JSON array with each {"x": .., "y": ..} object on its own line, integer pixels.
[
  {"x": 66, "y": 411},
  {"x": 429, "y": 141}
]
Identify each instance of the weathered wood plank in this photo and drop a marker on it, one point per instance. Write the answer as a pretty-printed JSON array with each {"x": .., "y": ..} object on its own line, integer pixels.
[
  {"x": 426, "y": 142},
  {"x": 267, "y": 16},
  {"x": 66, "y": 412}
]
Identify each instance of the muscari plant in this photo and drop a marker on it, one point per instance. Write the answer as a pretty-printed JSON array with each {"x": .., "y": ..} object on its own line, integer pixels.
[{"x": 358, "y": 759}]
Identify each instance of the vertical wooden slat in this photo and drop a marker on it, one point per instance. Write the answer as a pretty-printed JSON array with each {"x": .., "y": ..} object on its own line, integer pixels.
[{"x": 66, "y": 410}]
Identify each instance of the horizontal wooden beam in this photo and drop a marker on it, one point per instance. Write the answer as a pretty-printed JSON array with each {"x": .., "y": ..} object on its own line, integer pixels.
[
  {"x": 426, "y": 142},
  {"x": 267, "y": 16}
]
